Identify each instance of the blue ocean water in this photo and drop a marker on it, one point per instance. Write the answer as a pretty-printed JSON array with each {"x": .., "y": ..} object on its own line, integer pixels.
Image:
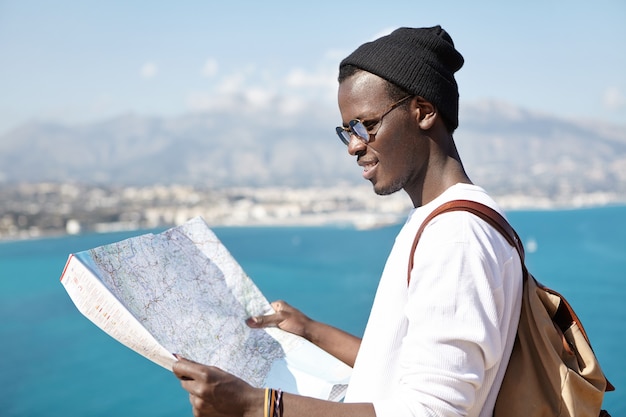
[{"x": 57, "y": 363}]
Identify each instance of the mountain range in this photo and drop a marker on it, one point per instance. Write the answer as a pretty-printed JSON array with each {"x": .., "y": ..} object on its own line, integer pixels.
[{"x": 506, "y": 149}]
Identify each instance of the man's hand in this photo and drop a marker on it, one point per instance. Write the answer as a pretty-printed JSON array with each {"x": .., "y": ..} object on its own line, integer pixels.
[
  {"x": 286, "y": 318},
  {"x": 338, "y": 343},
  {"x": 215, "y": 393}
]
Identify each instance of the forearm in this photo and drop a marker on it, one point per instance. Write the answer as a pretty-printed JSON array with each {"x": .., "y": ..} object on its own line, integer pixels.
[
  {"x": 213, "y": 392},
  {"x": 299, "y": 406},
  {"x": 336, "y": 342}
]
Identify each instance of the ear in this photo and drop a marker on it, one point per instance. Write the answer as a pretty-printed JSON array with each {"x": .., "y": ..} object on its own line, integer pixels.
[{"x": 427, "y": 113}]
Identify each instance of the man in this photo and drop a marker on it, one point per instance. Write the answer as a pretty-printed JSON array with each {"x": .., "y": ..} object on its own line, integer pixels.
[{"x": 439, "y": 344}]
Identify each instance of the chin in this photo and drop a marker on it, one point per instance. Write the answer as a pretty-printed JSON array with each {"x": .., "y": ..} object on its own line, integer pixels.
[{"x": 386, "y": 190}]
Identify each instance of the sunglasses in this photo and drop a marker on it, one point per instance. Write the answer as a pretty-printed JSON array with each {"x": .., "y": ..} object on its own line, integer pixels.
[{"x": 357, "y": 128}]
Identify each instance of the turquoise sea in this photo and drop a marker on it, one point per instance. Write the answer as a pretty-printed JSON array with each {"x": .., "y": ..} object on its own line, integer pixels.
[{"x": 57, "y": 363}]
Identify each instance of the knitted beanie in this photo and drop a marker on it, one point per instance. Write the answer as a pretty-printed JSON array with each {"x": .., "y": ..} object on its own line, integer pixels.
[{"x": 422, "y": 61}]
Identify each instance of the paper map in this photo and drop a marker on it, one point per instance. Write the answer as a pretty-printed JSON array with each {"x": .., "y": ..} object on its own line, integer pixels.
[{"x": 182, "y": 292}]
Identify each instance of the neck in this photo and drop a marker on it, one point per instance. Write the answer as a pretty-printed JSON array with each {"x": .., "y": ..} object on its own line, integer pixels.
[{"x": 444, "y": 170}]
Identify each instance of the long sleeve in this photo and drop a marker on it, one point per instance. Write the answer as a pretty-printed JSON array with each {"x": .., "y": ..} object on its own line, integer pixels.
[{"x": 440, "y": 346}]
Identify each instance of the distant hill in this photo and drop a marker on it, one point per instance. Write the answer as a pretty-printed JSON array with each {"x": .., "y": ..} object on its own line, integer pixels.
[
  {"x": 506, "y": 149},
  {"x": 512, "y": 150},
  {"x": 218, "y": 148}
]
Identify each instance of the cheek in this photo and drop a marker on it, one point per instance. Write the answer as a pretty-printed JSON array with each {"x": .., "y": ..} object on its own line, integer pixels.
[
  {"x": 404, "y": 150},
  {"x": 410, "y": 155},
  {"x": 398, "y": 160}
]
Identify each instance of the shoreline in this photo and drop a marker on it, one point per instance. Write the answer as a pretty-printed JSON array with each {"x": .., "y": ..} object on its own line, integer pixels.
[{"x": 358, "y": 219}]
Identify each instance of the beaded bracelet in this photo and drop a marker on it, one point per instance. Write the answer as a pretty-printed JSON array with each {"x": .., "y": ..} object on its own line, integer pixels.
[{"x": 273, "y": 406}]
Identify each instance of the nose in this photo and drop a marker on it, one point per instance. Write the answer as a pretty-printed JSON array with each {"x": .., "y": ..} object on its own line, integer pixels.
[{"x": 356, "y": 145}]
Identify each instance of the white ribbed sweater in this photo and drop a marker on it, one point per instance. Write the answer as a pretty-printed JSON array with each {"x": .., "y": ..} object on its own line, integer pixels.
[{"x": 440, "y": 346}]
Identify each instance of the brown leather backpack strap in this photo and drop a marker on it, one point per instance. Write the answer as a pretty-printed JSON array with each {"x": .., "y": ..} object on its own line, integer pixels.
[{"x": 486, "y": 213}]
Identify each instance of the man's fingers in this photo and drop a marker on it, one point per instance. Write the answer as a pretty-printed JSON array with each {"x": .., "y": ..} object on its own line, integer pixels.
[
  {"x": 270, "y": 320},
  {"x": 185, "y": 369},
  {"x": 194, "y": 377},
  {"x": 278, "y": 306},
  {"x": 201, "y": 407},
  {"x": 262, "y": 321}
]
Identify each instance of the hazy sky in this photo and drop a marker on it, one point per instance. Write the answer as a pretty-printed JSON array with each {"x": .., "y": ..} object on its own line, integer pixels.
[{"x": 73, "y": 61}]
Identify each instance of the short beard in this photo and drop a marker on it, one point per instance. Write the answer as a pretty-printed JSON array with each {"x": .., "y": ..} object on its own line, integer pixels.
[{"x": 391, "y": 188}]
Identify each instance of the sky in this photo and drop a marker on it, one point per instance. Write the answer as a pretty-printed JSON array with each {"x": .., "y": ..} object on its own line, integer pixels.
[{"x": 75, "y": 62}]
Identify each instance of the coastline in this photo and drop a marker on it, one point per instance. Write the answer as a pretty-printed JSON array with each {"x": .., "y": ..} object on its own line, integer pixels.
[{"x": 350, "y": 207}]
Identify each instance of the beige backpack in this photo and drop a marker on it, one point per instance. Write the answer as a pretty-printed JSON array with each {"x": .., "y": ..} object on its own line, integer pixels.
[{"x": 553, "y": 371}]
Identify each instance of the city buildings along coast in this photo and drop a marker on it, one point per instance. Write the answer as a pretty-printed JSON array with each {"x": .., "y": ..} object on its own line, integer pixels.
[{"x": 46, "y": 209}]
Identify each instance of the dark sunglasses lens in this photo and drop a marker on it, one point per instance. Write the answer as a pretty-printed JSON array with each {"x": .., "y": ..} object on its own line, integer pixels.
[
  {"x": 360, "y": 130},
  {"x": 343, "y": 134}
]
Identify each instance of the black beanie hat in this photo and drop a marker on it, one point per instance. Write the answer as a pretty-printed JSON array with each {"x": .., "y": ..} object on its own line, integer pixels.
[{"x": 422, "y": 61}]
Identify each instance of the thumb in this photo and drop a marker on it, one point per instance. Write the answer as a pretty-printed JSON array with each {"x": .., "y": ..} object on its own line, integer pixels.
[{"x": 257, "y": 322}]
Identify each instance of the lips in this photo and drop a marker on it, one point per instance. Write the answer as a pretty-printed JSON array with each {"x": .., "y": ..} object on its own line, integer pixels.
[{"x": 369, "y": 167}]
